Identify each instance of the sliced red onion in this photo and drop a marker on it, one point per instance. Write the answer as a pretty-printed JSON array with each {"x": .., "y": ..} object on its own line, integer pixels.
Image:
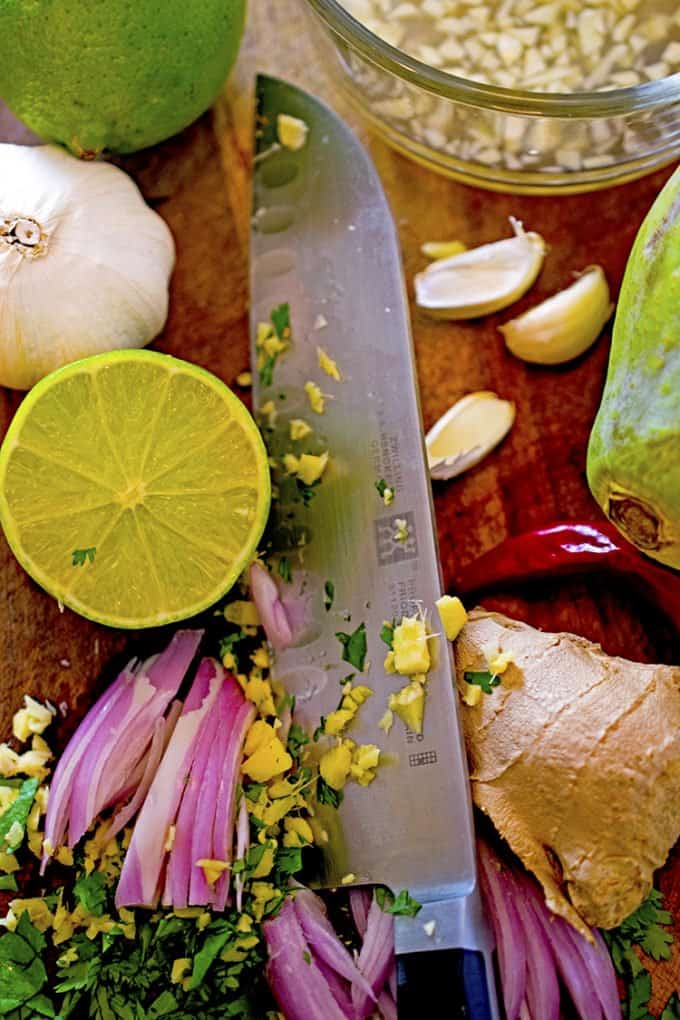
[
  {"x": 91, "y": 772},
  {"x": 387, "y": 1005},
  {"x": 510, "y": 940},
  {"x": 600, "y": 964},
  {"x": 220, "y": 781},
  {"x": 595, "y": 959},
  {"x": 141, "y": 877},
  {"x": 270, "y": 608},
  {"x": 376, "y": 957},
  {"x": 322, "y": 937},
  {"x": 360, "y": 901},
  {"x": 230, "y": 778},
  {"x": 542, "y": 988},
  {"x": 569, "y": 961},
  {"x": 102, "y": 777},
  {"x": 340, "y": 989},
  {"x": 190, "y": 845},
  {"x": 151, "y": 763},
  {"x": 242, "y": 842},
  {"x": 297, "y": 984},
  {"x": 60, "y": 789}
]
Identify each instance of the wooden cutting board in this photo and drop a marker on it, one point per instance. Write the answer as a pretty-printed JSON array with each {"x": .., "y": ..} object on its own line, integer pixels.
[{"x": 199, "y": 182}]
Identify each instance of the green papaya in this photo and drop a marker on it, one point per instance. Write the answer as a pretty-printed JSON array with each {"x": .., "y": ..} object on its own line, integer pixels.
[{"x": 633, "y": 460}]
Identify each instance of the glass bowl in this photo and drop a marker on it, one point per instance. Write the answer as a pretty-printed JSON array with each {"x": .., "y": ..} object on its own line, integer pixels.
[{"x": 499, "y": 138}]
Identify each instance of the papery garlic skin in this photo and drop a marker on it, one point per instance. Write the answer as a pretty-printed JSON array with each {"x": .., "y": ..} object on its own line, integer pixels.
[
  {"x": 84, "y": 262},
  {"x": 564, "y": 325}
]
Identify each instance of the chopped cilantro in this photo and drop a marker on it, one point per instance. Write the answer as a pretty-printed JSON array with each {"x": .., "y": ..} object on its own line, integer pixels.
[
  {"x": 402, "y": 905},
  {"x": 328, "y": 595},
  {"x": 387, "y": 632},
  {"x": 253, "y": 791},
  {"x": 327, "y": 795},
  {"x": 297, "y": 738},
  {"x": 288, "y": 861},
  {"x": 287, "y": 702},
  {"x": 307, "y": 492},
  {"x": 280, "y": 317},
  {"x": 320, "y": 730},
  {"x": 284, "y": 569},
  {"x": 22, "y": 972},
  {"x": 354, "y": 647},
  {"x": 81, "y": 556},
  {"x": 482, "y": 678},
  {"x": 643, "y": 928},
  {"x": 8, "y": 883},
  {"x": 639, "y": 993},
  {"x": 90, "y": 891},
  {"x": 229, "y": 642},
  {"x": 307, "y": 957},
  {"x": 267, "y": 370},
  {"x": 17, "y": 813},
  {"x": 218, "y": 933}
]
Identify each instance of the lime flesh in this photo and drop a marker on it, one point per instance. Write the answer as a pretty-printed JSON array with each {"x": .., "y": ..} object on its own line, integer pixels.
[{"x": 134, "y": 487}]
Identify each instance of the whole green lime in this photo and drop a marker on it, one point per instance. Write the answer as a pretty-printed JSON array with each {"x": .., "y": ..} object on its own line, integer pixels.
[{"x": 115, "y": 75}]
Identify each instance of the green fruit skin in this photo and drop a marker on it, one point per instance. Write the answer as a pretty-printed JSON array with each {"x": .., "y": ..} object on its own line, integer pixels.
[
  {"x": 115, "y": 75},
  {"x": 633, "y": 460}
]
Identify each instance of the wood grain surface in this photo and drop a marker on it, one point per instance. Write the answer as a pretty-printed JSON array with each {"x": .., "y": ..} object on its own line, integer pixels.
[{"x": 199, "y": 182}]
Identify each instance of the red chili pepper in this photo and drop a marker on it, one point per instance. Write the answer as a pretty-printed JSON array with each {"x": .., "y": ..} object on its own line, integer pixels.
[{"x": 572, "y": 548}]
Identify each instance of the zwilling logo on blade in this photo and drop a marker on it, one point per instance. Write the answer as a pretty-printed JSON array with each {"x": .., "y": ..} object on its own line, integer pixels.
[{"x": 395, "y": 538}]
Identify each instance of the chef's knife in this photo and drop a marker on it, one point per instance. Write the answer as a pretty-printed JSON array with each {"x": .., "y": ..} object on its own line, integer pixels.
[{"x": 324, "y": 243}]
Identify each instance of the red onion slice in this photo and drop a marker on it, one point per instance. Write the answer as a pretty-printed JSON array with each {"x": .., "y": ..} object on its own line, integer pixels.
[
  {"x": 376, "y": 958},
  {"x": 142, "y": 873},
  {"x": 270, "y": 608},
  {"x": 297, "y": 984},
  {"x": 242, "y": 842},
  {"x": 510, "y": 941},
  {"x": 153, "y": 758},
  {"x": 230, "y": 778},
  {"x": 387, "y": 1005},
  {"x": 360, "y": 901},
  {"x": 189, "y": 828},
  {"x": 92, "y": 773},
  {"x": 542, "y": 988},
  {"x": 322, "y": 937}
]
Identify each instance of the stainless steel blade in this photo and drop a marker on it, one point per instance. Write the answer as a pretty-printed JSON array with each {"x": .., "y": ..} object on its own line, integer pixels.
[{"x": 324, "y": 241}]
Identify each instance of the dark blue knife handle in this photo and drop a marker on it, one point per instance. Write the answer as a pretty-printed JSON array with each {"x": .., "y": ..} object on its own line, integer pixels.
[{"x": 449, "y": 983}]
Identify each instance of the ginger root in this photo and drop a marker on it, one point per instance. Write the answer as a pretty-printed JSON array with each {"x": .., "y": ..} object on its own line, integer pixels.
[{"x": 575, "y": 757}]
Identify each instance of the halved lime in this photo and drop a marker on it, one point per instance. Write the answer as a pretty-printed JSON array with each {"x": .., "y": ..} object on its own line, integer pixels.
[{"x": 134, "y": 487}]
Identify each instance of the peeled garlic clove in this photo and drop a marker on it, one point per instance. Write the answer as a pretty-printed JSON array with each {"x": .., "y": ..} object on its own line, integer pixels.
[
  {"x": 563, "y": 326},
  {"x": 442, "y": 249},
  {"x": 467, "y": 433},
  {"x": 481, "y": 280}
]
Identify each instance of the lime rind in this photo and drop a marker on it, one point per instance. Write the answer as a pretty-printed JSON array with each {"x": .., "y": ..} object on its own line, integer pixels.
[{"x": 176, "y": 567}]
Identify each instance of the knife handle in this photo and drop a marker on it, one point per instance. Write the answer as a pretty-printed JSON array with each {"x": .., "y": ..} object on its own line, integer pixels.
[{"x": 450, "y": 983}]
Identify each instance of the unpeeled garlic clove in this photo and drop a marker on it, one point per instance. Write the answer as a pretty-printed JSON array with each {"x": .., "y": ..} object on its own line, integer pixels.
[
  {"x": 467, "y": 432},
  {"x": 481, "y": 280},
  {"x": 563, "y": 326}
]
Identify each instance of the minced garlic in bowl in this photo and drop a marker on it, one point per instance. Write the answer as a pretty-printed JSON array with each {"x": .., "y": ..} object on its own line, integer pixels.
[{"x": 524, "y": 95}]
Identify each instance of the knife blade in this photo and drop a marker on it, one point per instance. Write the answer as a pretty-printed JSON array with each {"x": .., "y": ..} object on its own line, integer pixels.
[{"x": 323, "y": 243}]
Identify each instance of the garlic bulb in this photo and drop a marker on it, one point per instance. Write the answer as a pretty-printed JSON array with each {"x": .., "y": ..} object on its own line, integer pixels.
[{"x": 84, "y": 262}]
